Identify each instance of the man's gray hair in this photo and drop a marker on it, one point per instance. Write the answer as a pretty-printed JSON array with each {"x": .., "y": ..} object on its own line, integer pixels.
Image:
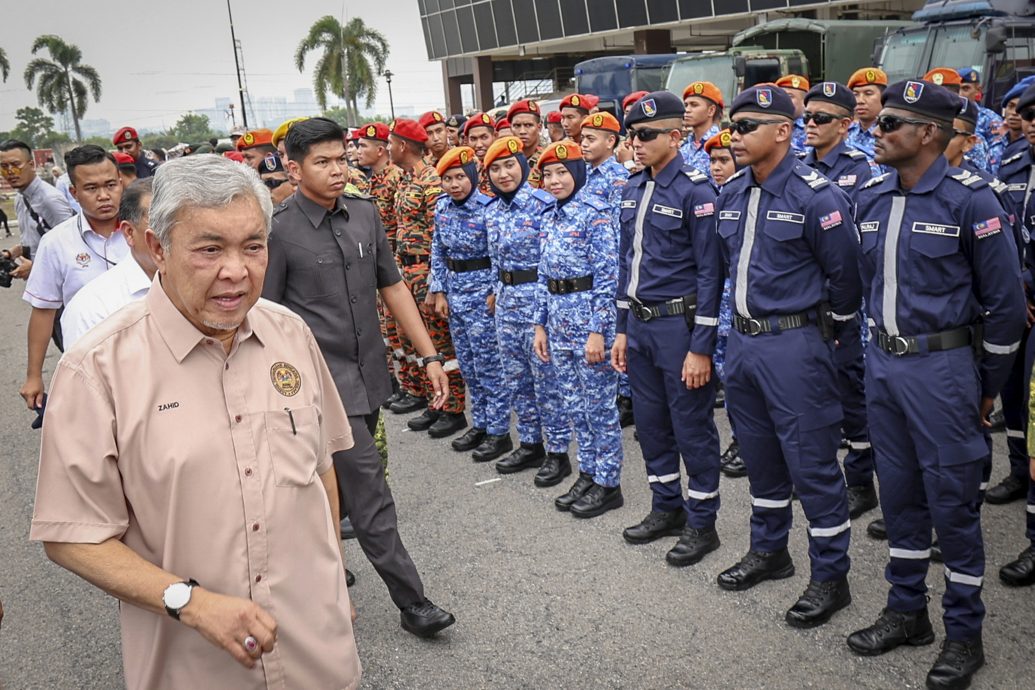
[{"x": 202, "y": 181}]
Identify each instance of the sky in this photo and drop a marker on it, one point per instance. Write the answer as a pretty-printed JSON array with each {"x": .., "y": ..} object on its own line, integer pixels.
[{"x": 158, "y": 60}]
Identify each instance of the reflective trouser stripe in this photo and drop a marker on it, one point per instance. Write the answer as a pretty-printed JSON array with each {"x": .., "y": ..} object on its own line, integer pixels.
[
  {"x": 770, "y": 503},
  {"x": 994, "y": 349},
  {"x": 663, "y": 479},
  {"x": 830, "y": 531},
  {"x": 702, "y": 496},
  {"x": 911, "y": 554},
  {"x": 706, "y": 321},
  {"x": 744, "y": 260},
  {"x": 960, "y": 578},
  {"x": 983, "y": 486},
  {"x": 1014, "y": 433},
  {"x": 1031, "y": 509},
  {"x": 859, "y": 445},
  {"x": 889, "y": 300}
]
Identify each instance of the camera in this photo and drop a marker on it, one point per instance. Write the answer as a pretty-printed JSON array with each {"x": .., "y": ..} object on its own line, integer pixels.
[{"x": 6, "y": 266}]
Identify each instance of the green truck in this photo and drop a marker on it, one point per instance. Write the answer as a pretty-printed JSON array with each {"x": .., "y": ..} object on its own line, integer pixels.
[{"x": 735, "y": 69}]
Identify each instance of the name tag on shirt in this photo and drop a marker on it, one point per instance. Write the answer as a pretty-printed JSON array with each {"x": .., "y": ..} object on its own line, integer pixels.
[
  {"x": 785, "y": 217},
  {"x": 936, "y": 229},
  {"x": 1017, "y": 187},
  {"x": 629, "y": 203},
  {"x": 869, "y": 226},
  {"x": 729, "y": 215},
  {"x": 667, "y": 211}
]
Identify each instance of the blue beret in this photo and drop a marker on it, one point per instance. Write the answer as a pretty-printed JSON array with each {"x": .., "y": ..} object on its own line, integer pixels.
[
  {"x": 1027, "y": 98},
  {"x": 767, "y": 99},
  {"x": 968, "y": 111},
  {"x": 1018, "y": 88},
  {"x": 923, "y": 98},
  {"x": 833, "y": 93},
  {"x": 969, "y": 75},
  {"x": 656, "y": 105}
]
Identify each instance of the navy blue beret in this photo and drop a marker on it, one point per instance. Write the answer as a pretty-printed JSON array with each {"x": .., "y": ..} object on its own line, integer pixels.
[
  {"x": 922, "y": 98},
  {"x": 1027, "y": 98},
  {"x": 1017, "y": 89},
  {"x": 833, "y": 93},
  {"x": 656, "y": 105},
  {"x": 767, "y": 99},
  {"x": 968, "y": 111}
]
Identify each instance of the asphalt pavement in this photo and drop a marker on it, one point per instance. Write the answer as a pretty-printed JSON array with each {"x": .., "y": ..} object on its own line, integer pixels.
[{"x": 542, "y": 600}]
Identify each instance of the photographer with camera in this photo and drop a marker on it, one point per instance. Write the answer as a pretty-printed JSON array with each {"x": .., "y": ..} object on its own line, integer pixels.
[{"x": 38, "y": 206}]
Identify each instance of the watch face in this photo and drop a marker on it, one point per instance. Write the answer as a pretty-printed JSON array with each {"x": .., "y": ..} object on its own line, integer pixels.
[{"x": 177, "y": 595}]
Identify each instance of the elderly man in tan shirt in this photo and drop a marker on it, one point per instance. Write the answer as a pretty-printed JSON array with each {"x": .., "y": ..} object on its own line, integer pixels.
[{"x": 186, "y": 465}]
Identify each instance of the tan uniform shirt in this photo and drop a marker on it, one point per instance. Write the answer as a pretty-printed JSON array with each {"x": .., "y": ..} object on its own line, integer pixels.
[{"x": 189, "y": 456}]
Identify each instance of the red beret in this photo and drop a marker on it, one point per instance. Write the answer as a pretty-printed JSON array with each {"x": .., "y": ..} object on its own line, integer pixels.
[
  {"x": 584, "y": 102},
  {"x": 554, "y": 118},
  {"x": 234, "y": 156},
  {"x": 378, "y": 131},
  {"x": 523, "y": 106},
  {"x": 455, "y": 158},
  {"x": 124, "y": 159},
  {"x": 409, "y": 129},
  {"x": 559, "y": 152},
  {"x": 502, "y": 124},
  {"x": 479, "y": 120},
  {"x": 632, "y": 98},
  {"x": 255, "y": 137},
  {"x": 504, "y": 147},
  {"x": 125, "y": 134},
  {"x": 432, "y": 117}
]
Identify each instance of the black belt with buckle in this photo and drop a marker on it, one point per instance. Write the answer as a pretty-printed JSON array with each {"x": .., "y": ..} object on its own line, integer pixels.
[
  {"x": 563, "y": 286},
  {"x": 466, "y": 265},
  {"x": 412, "y": 259},
  {"x": 772, "y": 324},
  {"x": 914, "y": 344},
  {"x": 529, "y": 275},
  {"x": 673, "y": 307}
]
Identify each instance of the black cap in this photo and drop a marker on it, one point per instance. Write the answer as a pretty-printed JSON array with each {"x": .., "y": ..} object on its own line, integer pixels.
[
  {"x": 1027, "y": 99},
  {"x": 456, "y": 121},
  {"x": 968, "y": 111},
  {"x": 767, "y": 99},
  {"x": 271, "y": 163},
  {"x": 922, "y": 98},
  {"x": 833, "y": 93},
  {"x": 656, "y": 105}
]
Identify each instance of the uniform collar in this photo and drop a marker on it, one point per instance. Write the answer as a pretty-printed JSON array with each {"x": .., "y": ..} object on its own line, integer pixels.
[
  {"x": 668, "y": 173},
  {"x": 313, "y": 211},
  {"x": 179, "y": 334},
  {"x": 829, "y": 159},
  {"x": 930, "y": 180},
  {"x": 777, "y": 179},
  {"x": 34, "y": 187}
]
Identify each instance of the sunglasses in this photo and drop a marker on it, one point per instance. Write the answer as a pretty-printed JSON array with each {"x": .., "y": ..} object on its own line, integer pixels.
[
  {"x": 747, "y": 126},
  {"x": 820, "y": 118},
  {"x": 646, "y": 133},
  {"x": 13, "y": 167},
  {"x": 961, "y": 133},
  {"x": 890, "y": 123},
  {"x": 1028, "y": 115},
  {"x": 272, "y": 183}
]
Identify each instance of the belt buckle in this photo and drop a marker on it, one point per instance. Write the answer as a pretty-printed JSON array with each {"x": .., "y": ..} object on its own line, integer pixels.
[
  {"x": 754, "y": 327},
  {"x": 642, "y": 313},
  {"x": 553, "y": 285},
  {"x": 508, "y": 278},
  {"x": 899, "y": 346}
]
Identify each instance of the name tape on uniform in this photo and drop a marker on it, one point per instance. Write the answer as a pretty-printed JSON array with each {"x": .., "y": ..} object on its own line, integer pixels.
[
  {"x": 667, "y": 211},
  {"x": 936, "y": 229},
  {"x": 785, "y": 217}
]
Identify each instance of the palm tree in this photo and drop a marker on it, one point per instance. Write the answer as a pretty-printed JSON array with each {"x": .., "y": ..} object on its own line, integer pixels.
[
  {"x": 62, "y": 80},
  {"x": 5, "y": 66},
  {"x": 353, "y": 57}
]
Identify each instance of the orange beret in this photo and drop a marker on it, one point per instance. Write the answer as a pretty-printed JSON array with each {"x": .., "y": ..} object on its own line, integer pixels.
[
  {"x": 378, "y": 131},
  {"x": 255, "y": 137},
  {"x": 794, "y": 81},
  {"x": 581, "y": 101},
  {"x": 559, "y": 152},
  {"x": 604, "y": 121},
  {"x": 523, "y": 106},
  {"x": 504, "y": 147},
  {"x": 479, "y": 120},
  {"x": 632, "y": 98},
  {"x": 867, "y": 76},
  {"x": 705, "y": 89},
  {"x": 409, "y": 129},
  {"x": 124, "y": 134},
  {"x": 502, "y": 123},
  {"x": 455, "y": 158},
  {"x": 722, "y": 140},
  {"x": 430, "y": 118},
  {"x": 943, "y": 76},
  {"x": 553, "y": 118}
]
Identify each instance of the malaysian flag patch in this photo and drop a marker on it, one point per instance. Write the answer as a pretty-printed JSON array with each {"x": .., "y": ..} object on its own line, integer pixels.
[
  {"x": 987, "y": 227},
  {"x": 702, "y": 210},
  {"x": 831, "y": 220}
]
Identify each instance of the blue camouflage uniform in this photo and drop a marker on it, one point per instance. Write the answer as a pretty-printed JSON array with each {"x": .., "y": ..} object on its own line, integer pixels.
[
  {"x": 669, "y": 262},
  {"x": 988, "y": 126},
  {"x": 792, "y": 250},
  {"x": 513, "y": 228},
  {"x": 934, "y": 259},
  {"x": 849, "y": 169},
  {"x": 460, "y": 268},
  {"x": 693, "y": 151},
  {"x": 980, "y": 157},
  {"x": 578, "y": 242},
  {"x": 798, "y": 145},
  {"x": 861, "y": 139}
]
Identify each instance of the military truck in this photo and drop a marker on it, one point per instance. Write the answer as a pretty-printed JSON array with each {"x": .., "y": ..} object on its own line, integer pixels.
[
  {"x": 735, "y": 69},
  {"x": 612, "y": 78}
]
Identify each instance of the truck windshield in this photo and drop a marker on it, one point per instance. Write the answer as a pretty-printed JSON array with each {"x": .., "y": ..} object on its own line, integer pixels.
[
  {"x": 762, "y": 70},
  {"x": 902, "y": 54},
  {"x": 649, "y": 78},
  {"x": 956, "y": 47},
  {"x": 717, "y": 69}
]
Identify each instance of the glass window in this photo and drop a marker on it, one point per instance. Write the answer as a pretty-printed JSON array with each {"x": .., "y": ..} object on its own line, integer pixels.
[
  {"x": 716, "y": 69},
  {"x": 955, "y": 47},
  {"x": 902, "y": 55},
  {"x": 650, "y": 78}
]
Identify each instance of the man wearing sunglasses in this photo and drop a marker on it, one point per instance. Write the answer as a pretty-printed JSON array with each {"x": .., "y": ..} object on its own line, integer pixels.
[
  {"x": 788, "y": 237},
  {"x": 937, "y": 258}
]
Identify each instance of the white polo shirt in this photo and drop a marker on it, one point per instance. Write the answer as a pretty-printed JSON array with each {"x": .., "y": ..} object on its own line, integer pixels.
[
  {"x": 69, "y": 257},
  {"x": 102, "y": 297}
]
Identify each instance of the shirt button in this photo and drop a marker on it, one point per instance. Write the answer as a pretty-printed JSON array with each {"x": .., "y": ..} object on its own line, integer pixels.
[
  {"x": 255, "y": 527},
  {"x": 210, "y": 342},
  {"x": 347, "y": 265},
  {"x": 237, "y": 418},
  {"x": 247, "y": 471},
  {"x": 353, "y": 299},
  {"x": 258, "y": 578},
  {"x": 338, "y": 233},
  {"x": 227, "y": 367}
]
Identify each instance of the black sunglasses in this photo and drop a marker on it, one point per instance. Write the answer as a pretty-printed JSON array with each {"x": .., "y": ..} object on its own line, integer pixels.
[
  {"x": 1028, "y": 115},
  {"x": 961, "y": 133},
  {"x": 272, "y": 183},
  {"x": 646, "y": 133},
  {"x": 747, "y": 126},
  {"x": 890, "y": 123},
  {"x": 820, "y": 118}
]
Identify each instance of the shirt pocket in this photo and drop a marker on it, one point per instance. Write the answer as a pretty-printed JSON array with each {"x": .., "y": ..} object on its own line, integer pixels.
[
  {"x": 293, "y": 440},
  {"x": 783, "y": 230},
  {"x": 330, "y": 275}
]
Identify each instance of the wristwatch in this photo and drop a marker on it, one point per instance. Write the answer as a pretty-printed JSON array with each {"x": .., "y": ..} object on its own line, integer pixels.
[
  {"x": 425, "y": 361},
  {"x": 177, "y": 596}
]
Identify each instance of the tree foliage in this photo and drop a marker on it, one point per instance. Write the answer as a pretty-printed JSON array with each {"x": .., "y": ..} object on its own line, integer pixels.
[
  {"x": 62, "y": 82},
  {"x": 351, "y": 60},
  {"x": 5, "y": 66},
  {"x": 192, "y": 128}
]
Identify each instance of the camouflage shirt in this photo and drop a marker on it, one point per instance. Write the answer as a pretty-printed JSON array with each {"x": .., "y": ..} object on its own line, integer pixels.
[
  {"x": 383, "y": 187},
  {"x": 415, "y": 210},
  {"x": 535, "y": 178}
]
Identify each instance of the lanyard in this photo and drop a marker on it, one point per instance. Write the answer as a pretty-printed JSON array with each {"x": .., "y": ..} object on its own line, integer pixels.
[{"x": 79, "y": 223}]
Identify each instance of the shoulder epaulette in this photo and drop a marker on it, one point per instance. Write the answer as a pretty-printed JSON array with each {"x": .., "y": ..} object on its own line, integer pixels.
[
  {"x": 594, "y": 202},
  {"x": 696, "y": 175},
  {"x": 482, "y": 199},
  {"x": 968, "y": 179},
  {"x": 545, "y": 197},
  {"x": 1011, "y": 159},
  {"x": 352, "y": 192},
  {"x": 280, "y": 209},
  {"x": 873, "y": 182},
  {"x": 811, "y": 177},
  {"x": 855, "y": 153},
  {"x": 998, "y": 185}
]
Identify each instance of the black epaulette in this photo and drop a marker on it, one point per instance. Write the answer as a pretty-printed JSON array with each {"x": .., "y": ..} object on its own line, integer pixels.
[
  {"x": 856, "y": 154},
  {"x": 969, "y": 180},
  {"x": 1011, "y": 159},
  {"x": 280, "y": 209},
  {"x": 873, "y": 182},
  {"x": 811, "y": 177},
  {"x": 697, "y": 176}
]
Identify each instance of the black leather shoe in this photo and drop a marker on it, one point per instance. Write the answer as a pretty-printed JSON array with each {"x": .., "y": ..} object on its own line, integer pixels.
[
  {"x": 577, "y": 491},
  {"x": 1007, "y": 491},
  {"x": 657, "y": 524},
  {"x": 469, "y": 441},
  {"x": 492, "y": 447},
  {"x": 956, "y": 665},
  {"x": 527, "y": 455},
  {"x": 554, "y": 470},
  {"x": 693, "y": 545},
  {"x": 425, "y": 619},
  {"x": 755, "y": 567},
  {"x": 424, "y": 420},
  {"x": 407, "y": 403},
  {"x": 350, "y": 579},
  {"x": 393, "y": 398},
  {"x": 820, "y": 601},
  {"x": 1021, "y": 572},
  {"x": 878, "y": 529},
  {"x": 625, "y": 411},
  {"x": 447, "y": 424},
  {"x": 731, "y": 464},
  {"x": 597, "y": 501},
  {"x": 347, "y": 530},
  {"x": 893, "y": 628},
  {"x": 861, "y": 499}
]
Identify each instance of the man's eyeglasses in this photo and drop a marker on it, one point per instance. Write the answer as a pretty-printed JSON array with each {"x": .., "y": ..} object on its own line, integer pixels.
[
  {"x": 1028, "y": 115},
  {"x": 961, "y": 133},
  {"x": 13, "y": 167},
  {"x": 273, "y": 183},
  {"x": 890, "y": 123},
  {"x": 646, "y": 133},
  {"x": 747, "y": 125},
  {"x": 820, "y": 118}
]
